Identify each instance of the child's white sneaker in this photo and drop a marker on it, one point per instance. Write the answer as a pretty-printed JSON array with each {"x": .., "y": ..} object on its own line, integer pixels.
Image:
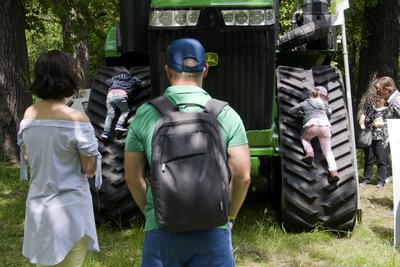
[
  {"x": 120, "y": 128},
  {"x": 105, "y": 135}
]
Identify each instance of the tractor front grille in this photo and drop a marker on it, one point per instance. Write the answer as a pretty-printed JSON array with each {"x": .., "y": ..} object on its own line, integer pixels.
[{"x": 244, "y": 76}]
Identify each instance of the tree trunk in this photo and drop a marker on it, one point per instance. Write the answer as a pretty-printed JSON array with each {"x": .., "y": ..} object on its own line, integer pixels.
[
  {"x": 75, "y": 40},
  {"x": 14, "y": 75},
  {"x": 380, "y": 52}
]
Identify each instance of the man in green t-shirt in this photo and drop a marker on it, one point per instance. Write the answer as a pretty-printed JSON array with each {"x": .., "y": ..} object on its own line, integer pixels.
[{"x": 185, "y": 70}]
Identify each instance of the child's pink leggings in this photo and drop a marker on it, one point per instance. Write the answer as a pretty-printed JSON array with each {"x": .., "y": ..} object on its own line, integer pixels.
[{"x": 324, "y": 136}]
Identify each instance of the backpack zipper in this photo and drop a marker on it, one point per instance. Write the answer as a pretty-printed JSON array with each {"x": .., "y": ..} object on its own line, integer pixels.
[{"x": 163, "y": 165}]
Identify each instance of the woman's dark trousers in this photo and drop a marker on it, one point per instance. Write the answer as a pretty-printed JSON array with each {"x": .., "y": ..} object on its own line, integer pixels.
[{"x": 378, "y": 152}]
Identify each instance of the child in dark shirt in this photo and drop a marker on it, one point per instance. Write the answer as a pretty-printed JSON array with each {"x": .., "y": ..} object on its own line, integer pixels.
[{"x": 117, "y": 98}]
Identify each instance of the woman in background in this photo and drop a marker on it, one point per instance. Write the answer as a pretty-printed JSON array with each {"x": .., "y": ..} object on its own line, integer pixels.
[
  {"x": 61, "y": 148},
  {"x": 375, "y": 117}
]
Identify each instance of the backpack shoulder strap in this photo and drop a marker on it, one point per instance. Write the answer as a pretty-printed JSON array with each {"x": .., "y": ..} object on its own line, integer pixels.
[
  {"x": 163, "y": 105},
  {"x": 215, "y": 106}
]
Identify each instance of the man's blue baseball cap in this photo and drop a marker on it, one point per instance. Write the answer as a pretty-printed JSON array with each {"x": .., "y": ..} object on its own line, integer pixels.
[{"x": 182, "y": 49}]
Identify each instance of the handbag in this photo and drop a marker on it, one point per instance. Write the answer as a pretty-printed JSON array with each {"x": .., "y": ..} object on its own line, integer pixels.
[{"x": 365, "y": 138}]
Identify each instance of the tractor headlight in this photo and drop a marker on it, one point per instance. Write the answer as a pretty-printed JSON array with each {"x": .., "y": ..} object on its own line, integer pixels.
[
  {"x": 166, "y": 18},
  {"x": 257, "y": 17},
  {"x": 174, "y": 18},
  {"x": 193, "y": 17},
  {"x": 269, "y": 17},
  {"x": 242, "y": 17},
  {"x": 252, "y": 17},
  {"x": 229, "y": 17}
]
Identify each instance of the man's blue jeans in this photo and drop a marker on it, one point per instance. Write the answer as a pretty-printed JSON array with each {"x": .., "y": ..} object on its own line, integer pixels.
[{"x": 210, "y": 248}]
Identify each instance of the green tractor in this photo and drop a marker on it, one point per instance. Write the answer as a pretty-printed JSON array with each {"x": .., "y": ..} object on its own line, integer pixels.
[{"x": 261, "y": 76}]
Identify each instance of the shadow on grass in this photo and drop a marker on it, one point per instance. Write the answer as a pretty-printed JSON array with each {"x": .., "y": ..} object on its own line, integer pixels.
[
  {"x": 382, "y": 201},
  {"x": 112, "y": 225},
  {"x": 384, "y": 233}
]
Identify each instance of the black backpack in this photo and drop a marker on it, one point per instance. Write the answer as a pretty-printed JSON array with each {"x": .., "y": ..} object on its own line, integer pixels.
[{"x": 189, "y": 173}]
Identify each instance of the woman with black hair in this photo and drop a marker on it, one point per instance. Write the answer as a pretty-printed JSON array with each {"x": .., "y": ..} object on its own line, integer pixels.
[{"x": 61, "y": 148}]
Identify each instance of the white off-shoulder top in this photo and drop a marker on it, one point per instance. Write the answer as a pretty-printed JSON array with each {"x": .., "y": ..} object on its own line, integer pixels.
[{"x": 59, "y": 209}]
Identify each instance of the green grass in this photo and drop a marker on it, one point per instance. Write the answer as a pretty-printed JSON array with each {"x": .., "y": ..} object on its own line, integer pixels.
[{"x": 257, "y": 238}]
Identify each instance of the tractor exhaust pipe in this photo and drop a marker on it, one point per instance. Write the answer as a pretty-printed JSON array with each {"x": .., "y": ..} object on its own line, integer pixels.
[
  {"x": 311, "y": 28},
  {"x": 134, "y": 25}
]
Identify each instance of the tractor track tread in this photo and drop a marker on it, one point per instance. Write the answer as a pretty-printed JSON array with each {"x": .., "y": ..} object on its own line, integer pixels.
[
  {"x": 308, "y": 198},
  {"x": 113, "y": 201}
]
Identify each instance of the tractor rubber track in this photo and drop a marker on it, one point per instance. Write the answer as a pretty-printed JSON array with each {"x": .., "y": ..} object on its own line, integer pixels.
[
  {"x": 308, "y": 198},
  {"x": 113, "y": 201}
]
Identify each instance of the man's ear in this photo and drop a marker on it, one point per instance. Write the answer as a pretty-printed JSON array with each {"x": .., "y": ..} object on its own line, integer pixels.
[
  {"x": 167, "y": 72},
  {"x": 205, "y": 71}
]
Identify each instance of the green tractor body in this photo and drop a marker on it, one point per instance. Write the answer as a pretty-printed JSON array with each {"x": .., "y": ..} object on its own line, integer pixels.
[{"x": 260, "y": 81}]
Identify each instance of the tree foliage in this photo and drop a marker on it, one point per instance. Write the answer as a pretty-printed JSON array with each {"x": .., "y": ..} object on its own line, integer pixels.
[
  {"x": 286, "y": 9},
  {"x": 53, "y": 24},
  {"x": 43, "y": 31}
]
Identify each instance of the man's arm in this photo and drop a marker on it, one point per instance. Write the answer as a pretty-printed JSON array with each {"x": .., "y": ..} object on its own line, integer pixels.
[
  {"x": 135, "y": 167},
  {"x": 239, "y": 165}
]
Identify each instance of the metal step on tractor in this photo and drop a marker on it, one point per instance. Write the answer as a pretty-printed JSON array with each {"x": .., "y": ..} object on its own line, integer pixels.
[{"x": 261, "y": 76}]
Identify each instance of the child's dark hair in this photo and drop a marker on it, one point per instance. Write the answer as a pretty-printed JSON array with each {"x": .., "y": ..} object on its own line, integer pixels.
[{"x": 55, "y": 76}]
